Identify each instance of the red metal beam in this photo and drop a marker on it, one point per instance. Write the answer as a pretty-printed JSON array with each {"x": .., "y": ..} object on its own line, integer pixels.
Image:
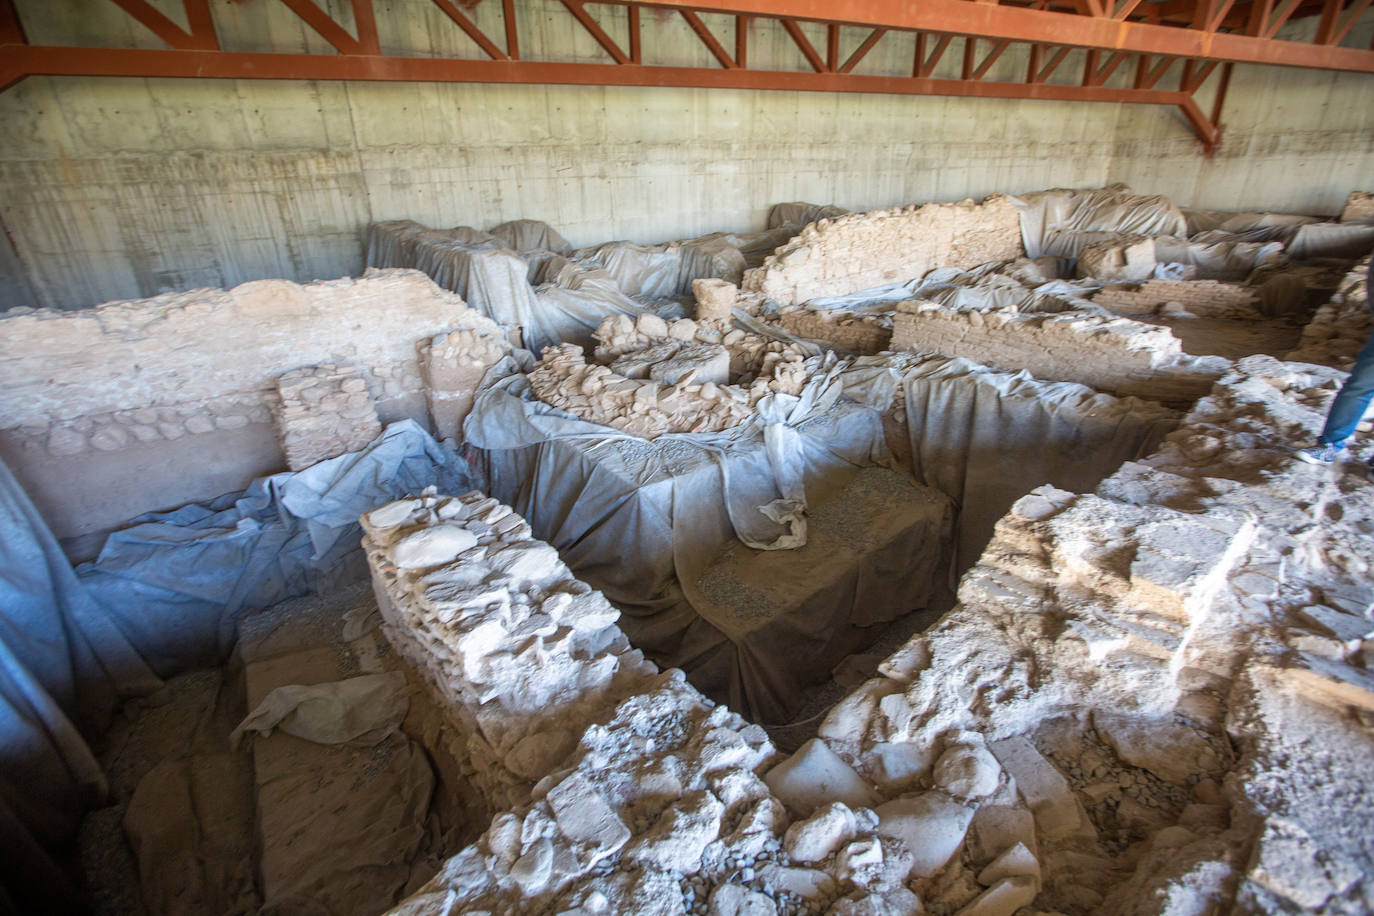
[
  {"x": 512, "y": 34},
  {"x": 708, "y": 39},
  {"x": 862, "y": 49},
  {"x": 804, "y": 45},
  {"x": 963, "y": 17},
  {"x": 59, "y": 61},
  {"x": 470, "y": 27},
  {"x": 202, "y": 34},
  {"x": 11, "y": 31},
  {"x": 326, "y": 27},
  {"x": 594, "y": 29}
]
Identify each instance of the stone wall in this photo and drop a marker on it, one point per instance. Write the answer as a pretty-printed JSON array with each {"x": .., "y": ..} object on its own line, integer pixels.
[
  {"x": 523, "y": 656},
  {"x": 323, "y": 412},
  {"x": 1119, "y": 716},
  {"x": 1114, "y": 355},
  {"x": 1359, "y": 208},
  {"x": 839, "y": 328},
  {"x": 1340, "y": 327},
  {"x": 147, "y": 404},
  {"x": 1203, "y": 298},
  {"x": 835, "y": 257}
]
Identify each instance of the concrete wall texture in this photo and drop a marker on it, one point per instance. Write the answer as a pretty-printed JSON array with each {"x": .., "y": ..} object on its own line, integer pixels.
[{"x": 121, "y": 188}]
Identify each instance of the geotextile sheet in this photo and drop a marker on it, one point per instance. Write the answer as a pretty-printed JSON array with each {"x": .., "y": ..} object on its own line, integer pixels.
[{"x": 642, "y": 520}]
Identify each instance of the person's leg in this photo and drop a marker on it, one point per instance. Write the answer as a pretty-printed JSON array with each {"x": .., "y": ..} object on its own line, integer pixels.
[{"x": 1352, "y": 400}]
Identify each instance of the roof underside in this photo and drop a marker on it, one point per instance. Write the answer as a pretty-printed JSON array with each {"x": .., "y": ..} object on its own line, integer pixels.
[{"x": 1161, "y": 52}]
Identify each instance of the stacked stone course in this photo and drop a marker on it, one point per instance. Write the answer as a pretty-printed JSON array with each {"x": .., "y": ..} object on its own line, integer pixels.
[
  {"x": 838, "y": 328},
  {"x": 835, "y": 257},
  {"x": 1359, "y": 208},
  {"x": 1203, "y": 298},
  {"x": 523, "y": 656},
  {"x": 195, "y": 362},
  {"x": 323, "y": 412},
  {"x": 1114, "y": 355}
]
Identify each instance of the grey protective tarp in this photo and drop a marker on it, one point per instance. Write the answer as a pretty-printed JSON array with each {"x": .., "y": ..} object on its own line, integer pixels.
[
  {"x": 985, "y": 437},
  {"x": 798, "y": 213},
  {"x": 667, "y": 270},
  {"x": 174, "y": 582},
  {"x": 578, "y": 297},
  {"x": 531, "y": 235},
  {"x": 1061, "y": 222},
  {"x": 1218, "y": 255},
  {"x": 642, "y": 520},
  {"x": 978, "y": 289},
  {"x": 163, "y": 596},
  {"x": 495, "y": 280}
]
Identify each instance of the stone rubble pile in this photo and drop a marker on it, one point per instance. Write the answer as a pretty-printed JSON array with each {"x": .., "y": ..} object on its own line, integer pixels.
[
  {"x": 323, "y": 412},
  {"x": 1340, "y": 326},
  {"x": 753, "y": 357},
  {"x": 641, "y": 407},
  {"x": 522, "y": 655},
  {"x": 835, "y": 257},
  {"x": 1122, "y": 259},
  {"x": 1359, "y": 208},
  {"x": 682, "y": 376},
  {"x": 1135, "y": 707}
]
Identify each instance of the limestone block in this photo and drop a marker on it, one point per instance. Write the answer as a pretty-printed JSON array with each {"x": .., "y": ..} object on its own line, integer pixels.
[
  {"x": 709, "y": 363},
  {"x": 931, "y": 825},
  {"x": 1002, "y": 899},
  {"x": 966, "y": 771},
  {"x": 715, "y": 298},
  {"x": 1057, "y": 812},
  {"x": 584, "y": 817},
  {"x": 814, "y": 776},
  {"x": 1359, "y": 208},
  {"x": 1171, "y": 751},
  {"x": 1126, "y": 259},
  {"x": 453, "y": 366},
  {"x": 821, "y": 834}
]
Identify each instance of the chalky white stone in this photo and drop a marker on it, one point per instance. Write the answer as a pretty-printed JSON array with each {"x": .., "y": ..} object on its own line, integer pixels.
[
  {"x": 432, "y": 546},
  {"x": 815, "y": 775},
  {"x": 393, "y": 513},
  {"x": 817, "y": 837},
  {"x": 967, "y": 772},
  {"x": 931, "y": 825}
]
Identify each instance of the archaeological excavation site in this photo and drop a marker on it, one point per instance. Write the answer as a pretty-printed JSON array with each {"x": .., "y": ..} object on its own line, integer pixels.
[{"x": 686, "y": 459}]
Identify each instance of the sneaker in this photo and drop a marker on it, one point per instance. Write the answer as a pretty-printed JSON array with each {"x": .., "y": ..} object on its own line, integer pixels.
[{"x": 1319, "y": 454}]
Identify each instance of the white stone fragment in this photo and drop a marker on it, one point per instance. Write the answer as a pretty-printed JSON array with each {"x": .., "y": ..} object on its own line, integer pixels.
[
  {"x": 1014, "y": 862},
  {"x": 1045, "y": 790},
  {"x": 815, "y": 775},
  {"x": 432, "y": 546},
  {"x": 931, "y": 825},
  {"x": 1002, "y": 899},
  {"x": 967, "y": 772},
  {"x": 584, "y": 817},
  {"x": 734, "y": 900},
  {"x": 393, "y": 513},
  {"x": 822, "y": 833}
]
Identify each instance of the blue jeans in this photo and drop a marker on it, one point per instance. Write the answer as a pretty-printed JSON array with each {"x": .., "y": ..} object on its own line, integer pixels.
[{"x": 1353, "y": 399}]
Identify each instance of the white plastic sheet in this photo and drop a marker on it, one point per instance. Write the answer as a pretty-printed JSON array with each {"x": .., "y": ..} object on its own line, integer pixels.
[{"x": 1061, "y": 222}]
